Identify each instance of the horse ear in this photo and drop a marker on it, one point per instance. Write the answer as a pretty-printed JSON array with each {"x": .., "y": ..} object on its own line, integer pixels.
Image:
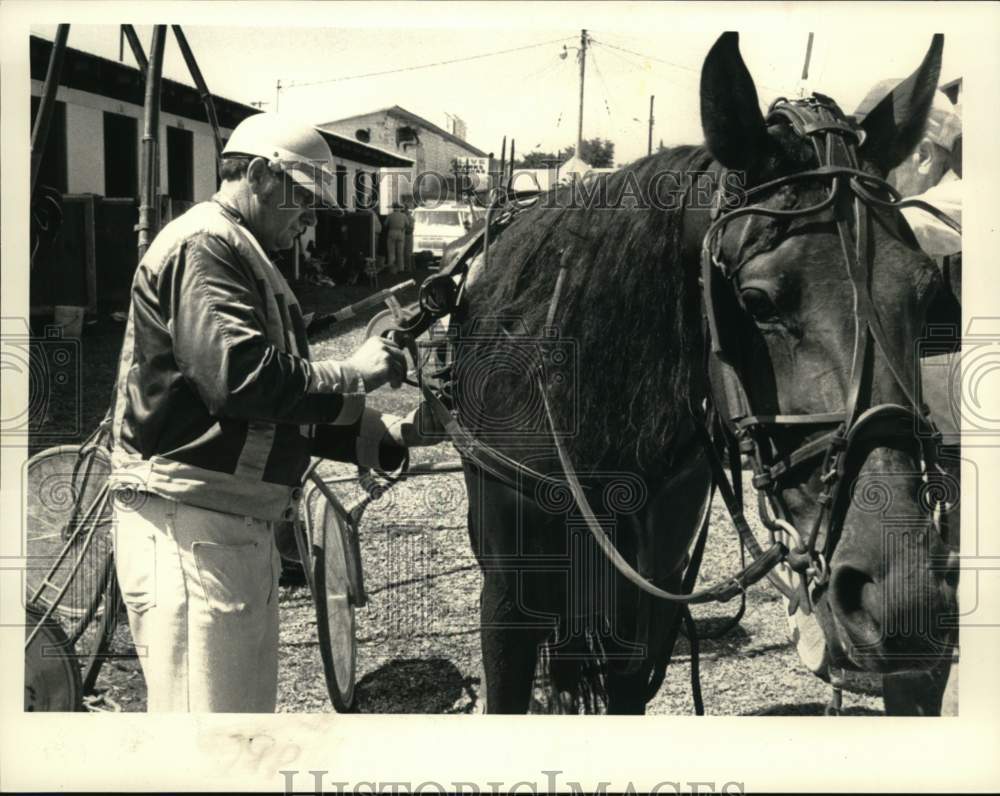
[
  {"x": 895, "y": 126},
  {"x": 734, "y": 127}
]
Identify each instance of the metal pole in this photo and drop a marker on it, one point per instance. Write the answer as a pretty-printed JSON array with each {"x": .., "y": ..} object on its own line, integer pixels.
[
  {"x": 137, "y": 52},
  {"x": 199, "y": 81},
  {"x": 809, "y": 50},
  {"x": 149, "y": 222},
  {"x": 503, "y": 162},
  {"x": 583, "y": 69},
  {"x": 510, "y": 177},
  {"x": 47, "y": 103},
  {"x": 649, "y": 144}
]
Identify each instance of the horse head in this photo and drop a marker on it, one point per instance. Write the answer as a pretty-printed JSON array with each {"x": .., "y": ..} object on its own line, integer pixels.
[{"x": 822, "y": 299}]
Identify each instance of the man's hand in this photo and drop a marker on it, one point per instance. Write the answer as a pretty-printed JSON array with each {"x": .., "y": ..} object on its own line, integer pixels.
[
  {"x": 379, "y": 361},
  {"x": 419, "y": 428}
]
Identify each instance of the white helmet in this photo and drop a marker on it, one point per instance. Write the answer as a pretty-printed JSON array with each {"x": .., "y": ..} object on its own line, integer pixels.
[
  {"x": 289, "y": 145},
  {"x": 944, "y": 121}
]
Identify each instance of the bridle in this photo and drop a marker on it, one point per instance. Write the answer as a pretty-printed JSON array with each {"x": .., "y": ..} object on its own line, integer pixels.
[
  {"x": 856, "y": 199},
  {"x": 855, "y": 196}
]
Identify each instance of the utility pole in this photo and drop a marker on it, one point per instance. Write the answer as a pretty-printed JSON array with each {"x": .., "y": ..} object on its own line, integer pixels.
[
  {"x": 805, "y": 66},
  {"x": 277, "y": 94},
  {"x": 583, "y": 69},
  {"x": 649, "y": 144}
]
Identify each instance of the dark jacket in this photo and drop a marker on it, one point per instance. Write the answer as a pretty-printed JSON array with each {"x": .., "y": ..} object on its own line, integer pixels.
[{"x": 218, "y": 404}]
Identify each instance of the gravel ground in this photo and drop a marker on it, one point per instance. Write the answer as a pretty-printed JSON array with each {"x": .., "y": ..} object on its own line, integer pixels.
[{"x": 418, "y": 638}]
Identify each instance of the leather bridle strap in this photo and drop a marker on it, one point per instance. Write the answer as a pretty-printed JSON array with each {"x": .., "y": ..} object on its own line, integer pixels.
[
  {"x": 724, "y": 590},
  {"x": 853, "y": 197}
]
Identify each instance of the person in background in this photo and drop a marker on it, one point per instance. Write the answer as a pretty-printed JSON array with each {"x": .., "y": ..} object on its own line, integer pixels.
[
  {"x": 395, "y": 239},
  {"x": 408, "y": 241},
  {"x": 378, "y": 240},
  {"x": 346, "y": 263},
  {"x": 932, "y": 172}
]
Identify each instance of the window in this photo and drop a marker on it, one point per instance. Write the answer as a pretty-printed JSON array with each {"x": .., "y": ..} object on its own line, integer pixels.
[
  {"x": 437, "y": 218},
  {"x": 341, "y": 186},
  {"x": 180, "y": 164},
  {"x": 121, "y": 155},
  {"x": 365, "y": 190},
  {"x": 52, "y": 169}
]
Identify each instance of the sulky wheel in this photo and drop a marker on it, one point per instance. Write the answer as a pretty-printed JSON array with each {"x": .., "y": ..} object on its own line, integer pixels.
[
  {"x": 51, "y": 674},
  {"x": 64, "y": 502},
  {"x": 327, "y": 533}
]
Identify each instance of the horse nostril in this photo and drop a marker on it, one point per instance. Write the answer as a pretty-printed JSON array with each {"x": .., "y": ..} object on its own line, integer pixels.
[{"x": 856, "y": 602}]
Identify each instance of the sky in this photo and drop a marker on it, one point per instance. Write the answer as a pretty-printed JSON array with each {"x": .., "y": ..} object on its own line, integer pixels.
[{"x": 532, "y": 95}]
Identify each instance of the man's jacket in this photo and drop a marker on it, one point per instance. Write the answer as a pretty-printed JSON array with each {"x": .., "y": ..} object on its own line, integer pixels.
[{"x": 217, "y": 403}]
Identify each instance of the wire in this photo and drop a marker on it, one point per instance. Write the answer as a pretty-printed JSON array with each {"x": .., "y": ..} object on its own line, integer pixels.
[
  {"x": 648, "y": 57},
  {"x": 676, "y": 66},
  {"x": 297, "y": 84},
  {"x": 546, "y": 69},
  {"x": 647, "y": 69},
  {"x": 597, "y": 69}
]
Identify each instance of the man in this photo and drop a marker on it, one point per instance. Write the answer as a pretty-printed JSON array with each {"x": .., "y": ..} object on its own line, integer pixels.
[
  {"x": 932, "y": 172},
  {"x": 395, "y": 238},
  {"x": 346, "y": 262},
  {"x": 408, "y": 240},
  {"x": 218, "y": 411}
]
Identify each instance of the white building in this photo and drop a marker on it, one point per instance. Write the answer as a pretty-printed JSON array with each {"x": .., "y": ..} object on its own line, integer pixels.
[{"x": 93, "y": 155}]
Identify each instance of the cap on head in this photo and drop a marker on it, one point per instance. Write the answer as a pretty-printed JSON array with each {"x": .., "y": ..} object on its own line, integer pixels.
[
  {"x": 944, "y": 123},
  {"x": 289, "y": 145}
]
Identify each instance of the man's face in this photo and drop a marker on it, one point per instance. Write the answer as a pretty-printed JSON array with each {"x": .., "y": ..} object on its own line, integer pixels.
[{"x": 281, "y": 210}]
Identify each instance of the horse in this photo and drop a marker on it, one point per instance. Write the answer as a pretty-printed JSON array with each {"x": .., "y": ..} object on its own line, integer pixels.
[{"x": 623, "y": 352}]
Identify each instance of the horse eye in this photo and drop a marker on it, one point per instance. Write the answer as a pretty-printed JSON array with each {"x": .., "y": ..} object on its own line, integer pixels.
[{"x": 758, "y": 304}]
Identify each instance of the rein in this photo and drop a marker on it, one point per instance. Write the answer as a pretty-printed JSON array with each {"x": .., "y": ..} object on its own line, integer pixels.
[{"x": 854, "y": 196}]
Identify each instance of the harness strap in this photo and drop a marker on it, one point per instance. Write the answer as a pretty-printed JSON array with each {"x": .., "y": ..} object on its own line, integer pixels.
[
  {"x": 504, "y": 468},
  {"x": 724, "y": 590}
]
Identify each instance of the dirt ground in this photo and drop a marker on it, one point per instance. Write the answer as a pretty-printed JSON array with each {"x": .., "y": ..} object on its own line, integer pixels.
[{"x": 418, "y": 638}]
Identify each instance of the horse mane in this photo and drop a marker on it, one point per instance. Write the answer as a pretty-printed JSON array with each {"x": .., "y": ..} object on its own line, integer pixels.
[{"x": 629, "y": 301}]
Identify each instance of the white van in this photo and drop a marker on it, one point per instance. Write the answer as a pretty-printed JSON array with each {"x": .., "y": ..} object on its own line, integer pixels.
[{"x": 437, "y": 226}]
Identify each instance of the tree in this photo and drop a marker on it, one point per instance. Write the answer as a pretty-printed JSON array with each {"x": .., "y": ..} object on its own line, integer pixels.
[
  {"x": 598, "y": 152},
  {"x": 536, "y": 160}
]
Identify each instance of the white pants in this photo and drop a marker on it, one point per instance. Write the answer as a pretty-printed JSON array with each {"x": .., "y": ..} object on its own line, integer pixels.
[{"x": 201, "y": 589}]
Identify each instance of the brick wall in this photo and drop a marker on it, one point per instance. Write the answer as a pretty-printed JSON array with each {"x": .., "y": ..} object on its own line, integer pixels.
[{"x": 433, "y": 153}]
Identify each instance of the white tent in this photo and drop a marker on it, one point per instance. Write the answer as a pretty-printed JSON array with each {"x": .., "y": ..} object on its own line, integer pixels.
[{"x": 574, "y": 168}]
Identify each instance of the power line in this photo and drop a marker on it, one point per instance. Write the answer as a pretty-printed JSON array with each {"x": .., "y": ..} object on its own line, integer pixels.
[
  {"x": 676, "y": 66},
  {"x": 648, "y": 57},
  {"x": 648, "y": 70},
  {"x": 597, "y": 69},
  {"x": 425, "y": 66},
  {"x": 546, "y": 69}
]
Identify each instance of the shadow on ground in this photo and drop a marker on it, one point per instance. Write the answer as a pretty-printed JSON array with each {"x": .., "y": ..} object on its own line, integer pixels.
[{"x": 411, "y": 685}]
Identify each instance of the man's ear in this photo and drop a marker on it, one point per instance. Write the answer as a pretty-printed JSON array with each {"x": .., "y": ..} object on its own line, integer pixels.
[
  {"x": 259, "y": 175},
  {"x": 925, "y": 156}
]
